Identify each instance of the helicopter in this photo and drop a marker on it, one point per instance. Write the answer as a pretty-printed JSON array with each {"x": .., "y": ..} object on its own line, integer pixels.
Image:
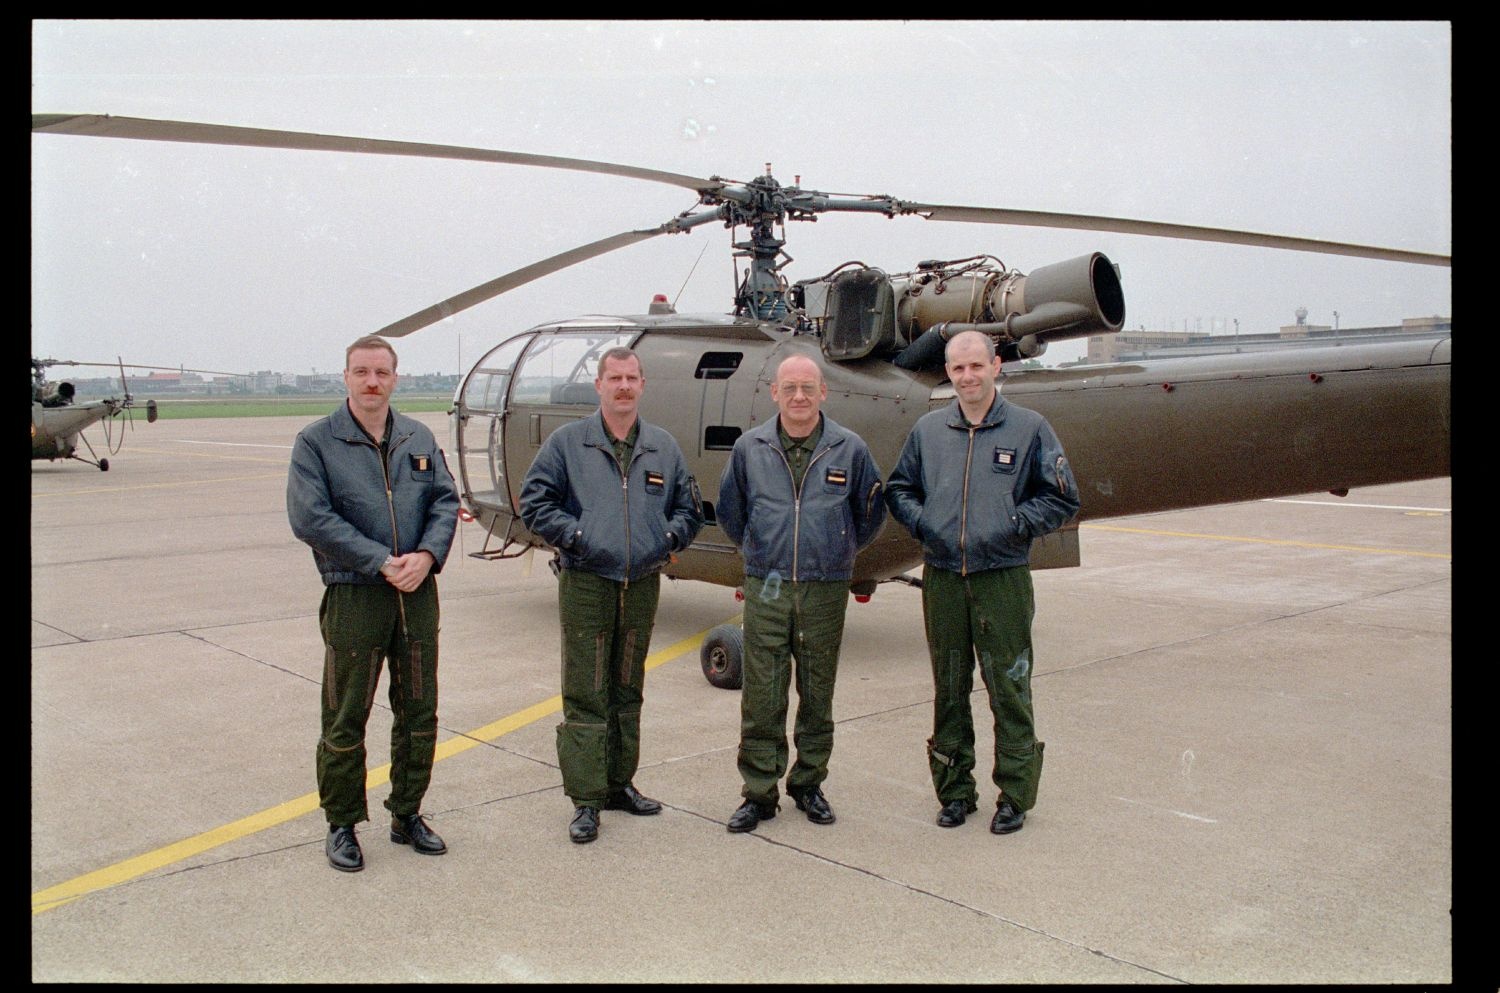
[
  {"x": 58, "y": 420},
  {"x": 1237, "y": 427}
]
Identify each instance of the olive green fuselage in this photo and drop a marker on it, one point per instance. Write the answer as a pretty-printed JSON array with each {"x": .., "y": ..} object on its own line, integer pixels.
[{"x": 1142, "y": 437}]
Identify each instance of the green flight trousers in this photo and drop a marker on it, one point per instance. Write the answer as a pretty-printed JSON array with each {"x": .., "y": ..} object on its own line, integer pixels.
[
  {"x": 362, "y": 626},
  {"x": 985, "y": 615},
  {"x": 606, "y": 632},
  {"x": 787, "y": 621}
]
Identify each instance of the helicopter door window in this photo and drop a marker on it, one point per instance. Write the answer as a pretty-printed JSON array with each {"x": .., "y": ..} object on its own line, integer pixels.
[
  {"x": 718, "y": 365},
  {"x": 720, "y": 437}
]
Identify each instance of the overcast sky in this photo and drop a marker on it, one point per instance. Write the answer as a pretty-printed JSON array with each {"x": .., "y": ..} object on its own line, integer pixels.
[{"x": 244, "y": 259}]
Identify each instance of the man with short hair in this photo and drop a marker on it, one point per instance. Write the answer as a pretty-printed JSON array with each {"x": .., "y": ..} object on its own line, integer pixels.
[
  {"x": 369, "y": 490},
  {"x": 977, "y": 481},
  {"x": 800, "y": 495},
  {"x": 611, "y": 493}
]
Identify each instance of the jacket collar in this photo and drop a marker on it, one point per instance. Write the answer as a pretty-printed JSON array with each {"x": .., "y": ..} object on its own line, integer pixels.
[
  {"x": 994, "y": 417},
  {"x": 833, "y": 432},
  {"x": 594, "y": 433},
  {"x": 346, "y": 428}
]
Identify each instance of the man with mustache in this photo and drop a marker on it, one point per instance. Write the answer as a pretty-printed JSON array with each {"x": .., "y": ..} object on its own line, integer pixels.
[
  {"x": 369, "y": 490},
  {"x": 612, "y": 495},
  {"x": 977, "y": 480}
]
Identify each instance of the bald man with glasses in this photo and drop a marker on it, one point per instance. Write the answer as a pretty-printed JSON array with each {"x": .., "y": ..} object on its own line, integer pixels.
[{"x": 800, "y": 496}]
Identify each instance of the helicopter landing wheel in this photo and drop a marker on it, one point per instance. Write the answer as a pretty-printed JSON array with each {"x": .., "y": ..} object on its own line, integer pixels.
[
  {"x": 723, "y": 656},
  {"x": 104, "y": 465}
]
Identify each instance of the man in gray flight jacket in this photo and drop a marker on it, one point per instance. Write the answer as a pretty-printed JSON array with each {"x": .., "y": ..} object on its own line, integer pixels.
[
  {"x": 976, "y": 482},
  {"x": 612, "y": 494},
  {"x": 369, "y": 490},
  {"x": 800, "y": 495}
]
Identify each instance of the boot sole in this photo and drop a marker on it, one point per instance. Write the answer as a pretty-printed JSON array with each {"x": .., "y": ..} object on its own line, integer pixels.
[
  {"x": 814, "y": 818},
  {"x": 401, "y": 839},
  {"x": 746, "y": 830},
  {"x": 961, "y": 820}
]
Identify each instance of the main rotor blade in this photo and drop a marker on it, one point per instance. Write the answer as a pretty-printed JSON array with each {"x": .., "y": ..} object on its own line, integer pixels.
[
  {"x": 495, "y": 287},
  {"x": 137, "y": 365},
  {"x": 1092, "y": 222},
  {"x": 146, "y": 129}
]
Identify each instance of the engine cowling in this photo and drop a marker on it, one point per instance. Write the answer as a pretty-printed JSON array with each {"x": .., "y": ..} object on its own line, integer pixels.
[{"x": 909, "y": 317}]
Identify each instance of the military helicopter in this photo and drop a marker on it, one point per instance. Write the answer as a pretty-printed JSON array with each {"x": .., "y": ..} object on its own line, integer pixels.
[
  {"x": 1238, "y": 427},
  {"x": 58, "y": 421}
]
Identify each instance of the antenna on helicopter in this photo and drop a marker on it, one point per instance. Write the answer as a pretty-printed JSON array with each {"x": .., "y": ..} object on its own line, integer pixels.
[{"x": 688, "y": 277}]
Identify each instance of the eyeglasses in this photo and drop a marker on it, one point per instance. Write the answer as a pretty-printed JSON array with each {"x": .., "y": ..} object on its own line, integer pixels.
[{"x": 805, "y": 389}]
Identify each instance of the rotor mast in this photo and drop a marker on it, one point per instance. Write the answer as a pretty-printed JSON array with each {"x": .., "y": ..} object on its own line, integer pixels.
[{"x": 761, "y": 205}]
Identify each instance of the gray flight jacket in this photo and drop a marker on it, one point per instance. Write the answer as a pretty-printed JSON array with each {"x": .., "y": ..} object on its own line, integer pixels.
[
  {"x": 336, "y": 496},
  {"x": 976, "y": 496},
  {"x": 810, "y": 536},
  {"x": 619, "y": 522}
]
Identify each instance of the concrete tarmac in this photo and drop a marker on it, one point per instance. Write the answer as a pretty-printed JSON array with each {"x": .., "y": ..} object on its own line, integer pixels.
[{"x": 1247, "y": 710}]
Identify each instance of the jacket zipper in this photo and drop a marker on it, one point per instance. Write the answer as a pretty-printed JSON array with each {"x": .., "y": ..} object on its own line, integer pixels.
[
  {"x": 963, "y": 515},
  {"x": 797, "y": 499},
  {"x": 390, "y": 504},
  {"x": 625, "y": 491}
]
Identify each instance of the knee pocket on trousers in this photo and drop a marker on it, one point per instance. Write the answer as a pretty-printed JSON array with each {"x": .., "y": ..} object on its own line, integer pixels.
[
  {"x": 1030, "y": 750},
  {"x": 581, "y": 728},
  {"x": 945, "y": 752},
  {"x": 353, "y": 746},
  {"x": 341, "y": 674}
]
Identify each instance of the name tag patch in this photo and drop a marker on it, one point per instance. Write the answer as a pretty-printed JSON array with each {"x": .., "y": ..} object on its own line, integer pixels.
[
  {"x": 421, "y": 463},
  {"x": 837, "y": 477},
  {"x": 1005, "y": 459},
  {"x": 655, "y": 481}
]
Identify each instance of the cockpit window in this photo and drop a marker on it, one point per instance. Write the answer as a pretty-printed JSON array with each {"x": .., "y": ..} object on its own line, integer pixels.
[
  {"x": 485, "y": 388},
  {"x": 560, "y": 368}
]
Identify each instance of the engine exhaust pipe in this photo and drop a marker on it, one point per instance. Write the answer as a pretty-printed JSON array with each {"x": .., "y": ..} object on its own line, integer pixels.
[{"x": 1072, "y": 299}]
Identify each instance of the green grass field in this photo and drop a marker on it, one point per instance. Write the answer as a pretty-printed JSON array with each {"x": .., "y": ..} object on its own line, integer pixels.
[{"x": 177, "y": 408}]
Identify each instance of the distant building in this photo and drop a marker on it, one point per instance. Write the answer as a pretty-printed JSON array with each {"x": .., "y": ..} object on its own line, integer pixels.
[
  {"x": 321, "y": 382},
  {"x": 266, "y": 381},
  {"x": 1137, "y": 346}
]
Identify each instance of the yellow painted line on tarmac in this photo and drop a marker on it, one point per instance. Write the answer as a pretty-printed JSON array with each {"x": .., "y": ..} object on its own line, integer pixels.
[
  {"x": 1268, "y": 541},
  {"x": 161, "y": 486},
  {"x": 56, "y": 896},
  {"x": 120, "y": 872}
]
